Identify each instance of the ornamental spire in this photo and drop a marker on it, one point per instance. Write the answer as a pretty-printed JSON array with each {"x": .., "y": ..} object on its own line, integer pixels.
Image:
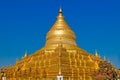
[
  {"x": 96, "y": 53},
  {"x": 26, "y": 54},
  {"x": 60, "y": 11},
  {"x": 60, "y": 33},
  {"x": 60, "y": 15},
  {"x": 104, "y": 58}
]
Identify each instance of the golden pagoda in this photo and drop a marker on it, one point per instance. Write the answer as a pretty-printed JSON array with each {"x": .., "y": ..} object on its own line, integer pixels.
[{"x": 59, "y": 57}]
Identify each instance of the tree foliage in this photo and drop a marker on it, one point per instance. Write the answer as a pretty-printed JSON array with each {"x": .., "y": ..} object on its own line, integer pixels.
[{"x": 106, "y": 71}]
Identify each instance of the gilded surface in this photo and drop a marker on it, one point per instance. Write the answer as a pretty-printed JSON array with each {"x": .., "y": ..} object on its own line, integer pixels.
[
  {"x": 60, "y": 33},
  {"x": 60, "y": 56}
]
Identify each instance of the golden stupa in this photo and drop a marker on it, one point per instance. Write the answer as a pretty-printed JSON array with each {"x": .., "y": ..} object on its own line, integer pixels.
[{"x": 59, "y": 57}]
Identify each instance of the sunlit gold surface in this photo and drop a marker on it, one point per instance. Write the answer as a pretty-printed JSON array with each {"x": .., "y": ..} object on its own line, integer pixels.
[
  {"x": 60, "y": 33},
  {"x": 60, "y": 55}
]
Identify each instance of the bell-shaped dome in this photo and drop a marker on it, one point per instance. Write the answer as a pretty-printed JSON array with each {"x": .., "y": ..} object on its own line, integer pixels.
[{"x": 60, "y": 33}]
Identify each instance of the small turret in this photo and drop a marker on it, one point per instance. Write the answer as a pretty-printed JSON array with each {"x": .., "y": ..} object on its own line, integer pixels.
[
  {"x": 25, "y": 55},
  {"x": 104, "y": 58},
  {"x": 96, "y": 54}
]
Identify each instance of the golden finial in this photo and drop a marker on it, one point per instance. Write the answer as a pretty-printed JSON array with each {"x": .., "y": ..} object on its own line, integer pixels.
[
  {"x": 26, "y": 54},
  {"x": 104, "y": 58},
  {"x": 60, "y": 11},
  {"x": 96, "y": 53}
]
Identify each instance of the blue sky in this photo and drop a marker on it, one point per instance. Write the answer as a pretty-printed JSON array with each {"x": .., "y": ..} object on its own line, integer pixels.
[{"x": 24, "y": 24}]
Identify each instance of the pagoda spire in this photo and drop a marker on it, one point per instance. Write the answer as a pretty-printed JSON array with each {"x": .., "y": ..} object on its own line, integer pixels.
[
  {"x": 60, "y": 15},
  {"x": 104, "y": 58},
  {"x": 60, "y": 32},
  {"x": 60, "y": 11},
  {"x": 96, "y": 53},
  {"x": 26, "y": 54}
]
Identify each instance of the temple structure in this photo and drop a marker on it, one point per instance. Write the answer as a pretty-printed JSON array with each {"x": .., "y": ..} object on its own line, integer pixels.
[{"x": 59, "y": 57}]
